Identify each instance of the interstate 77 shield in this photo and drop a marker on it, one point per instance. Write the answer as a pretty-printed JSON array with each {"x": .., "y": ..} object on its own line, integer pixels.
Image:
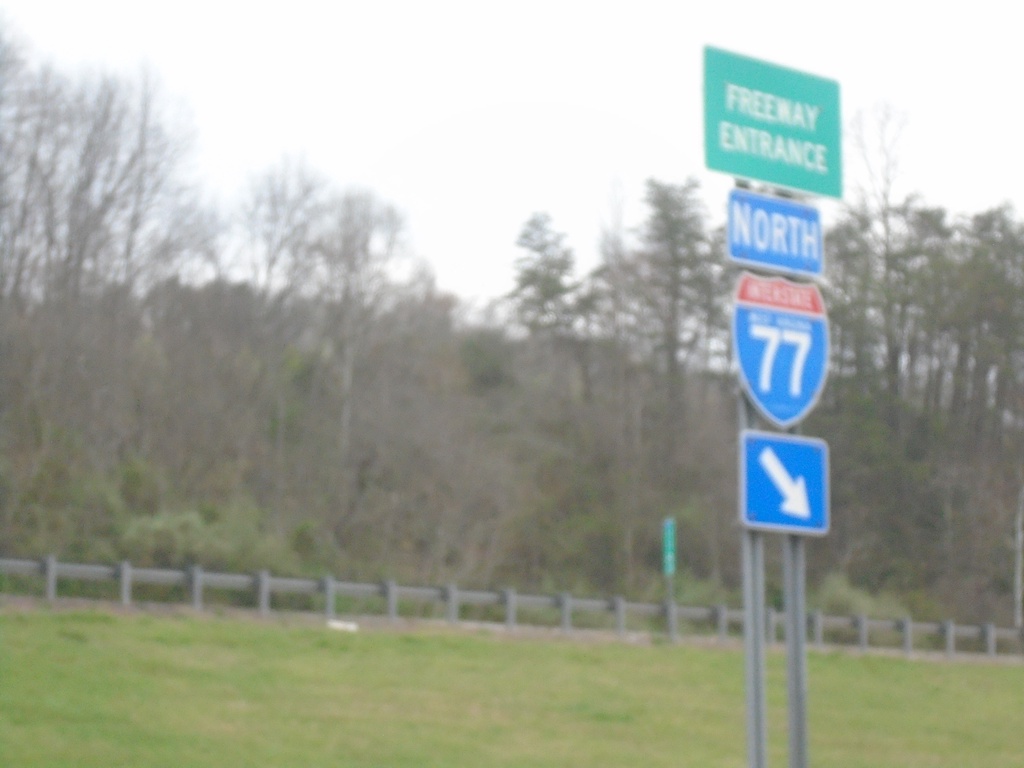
[{"x": 780, "y": 335}]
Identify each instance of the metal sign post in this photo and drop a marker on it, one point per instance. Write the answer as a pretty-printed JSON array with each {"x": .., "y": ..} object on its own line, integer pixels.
[
  {"x": 754, "y": 631},
  {"x": 780, "y": 338},
  {"x": 793, "y": 575},
  {"x": 668, "y": 559},
  {"x": 754, "y": 646}
]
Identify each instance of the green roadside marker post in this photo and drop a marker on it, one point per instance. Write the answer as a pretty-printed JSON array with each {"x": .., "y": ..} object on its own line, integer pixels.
[
  {"x": 668, "y": 567},
  {"x": 668, "y": 549}
]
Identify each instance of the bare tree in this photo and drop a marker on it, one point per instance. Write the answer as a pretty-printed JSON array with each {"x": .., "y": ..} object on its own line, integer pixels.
[
  {"x": 282, "y": 213},
  {"x": 348, "y": 278}
]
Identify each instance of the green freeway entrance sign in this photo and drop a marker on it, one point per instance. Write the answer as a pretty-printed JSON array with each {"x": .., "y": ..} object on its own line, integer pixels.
[{"x": 772, "y": 124}]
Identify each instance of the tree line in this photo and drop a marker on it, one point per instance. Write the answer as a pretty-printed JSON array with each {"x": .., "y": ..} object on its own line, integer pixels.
[{"x": 259, "y": 388}]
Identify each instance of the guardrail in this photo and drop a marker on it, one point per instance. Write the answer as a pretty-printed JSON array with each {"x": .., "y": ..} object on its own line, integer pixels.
[{"x": 563, "y": 611}]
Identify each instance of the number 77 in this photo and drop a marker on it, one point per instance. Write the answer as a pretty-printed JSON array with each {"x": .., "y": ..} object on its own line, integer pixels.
[{"x": 773, "y": 337}]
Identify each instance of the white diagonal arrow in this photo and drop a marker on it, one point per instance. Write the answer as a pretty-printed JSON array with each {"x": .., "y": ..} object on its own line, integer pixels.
[{"x": 793, "y": 490}]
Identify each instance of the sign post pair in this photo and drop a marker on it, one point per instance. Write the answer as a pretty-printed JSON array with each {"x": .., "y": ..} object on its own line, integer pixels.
[{"x": 781, "y": 127}]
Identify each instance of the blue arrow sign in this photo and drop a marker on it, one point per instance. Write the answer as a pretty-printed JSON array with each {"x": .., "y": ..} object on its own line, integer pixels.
[
  {"x": 773, "y": 233},
  {"x": 784, "y": 483},
  {"x": 780, "y": 334}
]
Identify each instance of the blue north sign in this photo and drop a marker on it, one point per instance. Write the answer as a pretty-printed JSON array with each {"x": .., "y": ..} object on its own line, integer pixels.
[
  {"x": 780, "y": 335},
  {"x": 775, "y": 234}
]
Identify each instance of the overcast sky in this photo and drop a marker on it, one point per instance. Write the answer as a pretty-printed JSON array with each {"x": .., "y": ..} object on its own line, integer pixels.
[{"x": 470, "y": 116}]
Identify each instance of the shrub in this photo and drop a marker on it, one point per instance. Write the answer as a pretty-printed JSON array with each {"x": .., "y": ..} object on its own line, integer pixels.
[
  {"x": 230, "y": 540},
  {"x": 837, "y": 596}
]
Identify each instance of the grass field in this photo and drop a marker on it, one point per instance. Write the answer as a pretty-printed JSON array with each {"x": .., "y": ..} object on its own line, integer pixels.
[{"x": 97, "y": 689}]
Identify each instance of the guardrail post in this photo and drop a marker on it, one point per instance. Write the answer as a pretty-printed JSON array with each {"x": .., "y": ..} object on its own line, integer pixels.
[
  {"x": 672, "y": 620},
  {"x": 327, "y": 585},
  {"x": 195, "y": 578},
  {"x": 907, "y": 625},
  {"x": 818, "y": 628},
  {"x": 124, "y": 574},
  {"x": 861, "y": 622},
  {"x": 263, "y": 592},
  {"x": 619, "y": 607},
  {"x": 949, "y": 633},
  {"x": 565, "y": 601},
  {"x": 805, "y": 627},
  {"x": 451, "y": 599},
  {"x": 508, "y": 597},
  {"x": 391, "y": 598},
  {"x": 722, "y": 622},
  {"x": 50, "y": 574},
  {"x": 988, "y": 633}
]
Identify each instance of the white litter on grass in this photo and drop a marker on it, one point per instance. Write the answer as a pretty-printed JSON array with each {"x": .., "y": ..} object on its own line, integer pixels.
[{"x": 343, "y": 626}]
